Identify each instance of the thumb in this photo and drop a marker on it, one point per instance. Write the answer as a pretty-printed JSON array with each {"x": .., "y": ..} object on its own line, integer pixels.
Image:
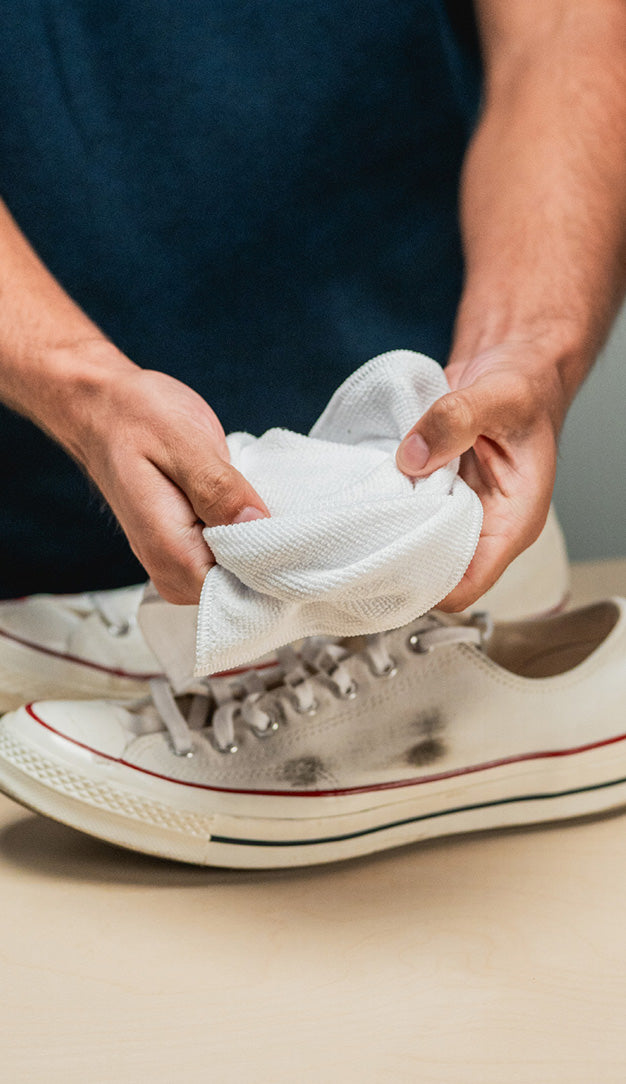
[
  {"x": 445, "y": 431},
  {"x": 219, "y": 494}
]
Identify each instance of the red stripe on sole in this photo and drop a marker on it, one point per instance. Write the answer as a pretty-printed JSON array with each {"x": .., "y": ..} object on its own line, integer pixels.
[{"x": 394, "y": 785}]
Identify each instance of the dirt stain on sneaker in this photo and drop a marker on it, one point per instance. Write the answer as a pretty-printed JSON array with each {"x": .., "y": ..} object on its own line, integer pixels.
[
  {"x": 432, "y": 746},
  {"x": 303, "y": 771},
  {"x": 425, "y": 752}
]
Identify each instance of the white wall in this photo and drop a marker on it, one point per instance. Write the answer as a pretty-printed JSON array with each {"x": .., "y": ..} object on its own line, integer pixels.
[{"x": 590, "y": 494}]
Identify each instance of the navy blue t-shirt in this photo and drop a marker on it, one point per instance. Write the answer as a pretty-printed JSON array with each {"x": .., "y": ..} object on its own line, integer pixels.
[{"x": 255, "y": 197}]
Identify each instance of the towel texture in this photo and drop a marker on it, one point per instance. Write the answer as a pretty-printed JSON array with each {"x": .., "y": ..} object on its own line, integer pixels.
[{"x": 352, "y": 545}]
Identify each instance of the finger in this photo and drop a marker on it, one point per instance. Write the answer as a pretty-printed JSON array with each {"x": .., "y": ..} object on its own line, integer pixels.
[
  {"x": 216, "y": 490},
  {"x": 445, "y": 431},
  {"x": 502, "y": 407},
  {"x": 165, "y": 535},
  {"x": 491, "y": 559},
  {"x": 179, "y": 574},
  {"x": 501, "y": 541}
]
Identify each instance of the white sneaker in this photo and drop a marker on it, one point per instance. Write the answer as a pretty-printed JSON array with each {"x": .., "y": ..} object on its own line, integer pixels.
[
  {"x": 89, "y": 645},
  {"x": 536, "y": 583},
  {"x": 73, "y": 646},
  {"x": 84, "y": 646},
  {"x": 448, "y": 727}
]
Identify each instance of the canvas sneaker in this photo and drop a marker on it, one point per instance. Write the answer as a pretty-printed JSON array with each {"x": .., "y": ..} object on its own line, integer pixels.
[
  {"x": 536, "y": 583},
  {"x": 88, "y": 646},
  {"x": 83, "y": 646},
  {"x": 450, "y": 725}
]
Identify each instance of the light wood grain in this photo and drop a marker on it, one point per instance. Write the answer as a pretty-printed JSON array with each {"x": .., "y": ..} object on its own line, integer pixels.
[{"x": 495, "y": 959}]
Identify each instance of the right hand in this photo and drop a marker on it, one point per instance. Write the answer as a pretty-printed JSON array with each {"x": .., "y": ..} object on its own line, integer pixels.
[{"x": 158, "y": 454}]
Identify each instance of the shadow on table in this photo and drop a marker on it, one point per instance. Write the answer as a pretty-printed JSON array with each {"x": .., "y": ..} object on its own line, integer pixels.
[
  {"x": 50, "y": 849},
  {"x": 45, "y": 847}
]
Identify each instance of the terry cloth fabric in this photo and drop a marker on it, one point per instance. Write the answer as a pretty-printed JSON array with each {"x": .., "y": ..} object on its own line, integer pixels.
[{"x": 352, "y": 545}]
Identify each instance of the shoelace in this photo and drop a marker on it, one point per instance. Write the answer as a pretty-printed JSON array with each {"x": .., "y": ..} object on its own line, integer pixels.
[
  {"x": 114, "y": 624},
  {"x": 318, "y": 659},
  {"x": 224, "y": 697}
]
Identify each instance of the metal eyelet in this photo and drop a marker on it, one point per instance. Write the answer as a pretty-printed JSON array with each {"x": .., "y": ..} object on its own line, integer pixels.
[
  {"x": 350, "y": 692},
  {"x": 188, "y": 753},
  {"x": 388, "y": 671},
  {"x": 415, "y": 645},
  {"x": 122, "y": 628},
  {"x": 264, "y": 733},
  {"x": 277, "y": 718},
  {"x": 231, "y": 748},
  {"x": 311, "y": 710}
]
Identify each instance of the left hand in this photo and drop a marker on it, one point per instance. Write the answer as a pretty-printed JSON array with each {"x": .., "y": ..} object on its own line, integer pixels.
[{"x": 502, "y": 416}]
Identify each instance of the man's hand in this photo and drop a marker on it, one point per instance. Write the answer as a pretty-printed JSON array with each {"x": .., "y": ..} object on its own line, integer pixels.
[
  {"x": 543, "y": 213},
  {"x": 158, "y": 454},
  {"x": 153, "y": 447},
  {"x": 502, "y": 416}
]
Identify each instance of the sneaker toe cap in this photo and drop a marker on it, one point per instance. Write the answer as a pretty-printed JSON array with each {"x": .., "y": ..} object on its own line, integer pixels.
[{"x": 96, "y": 726}]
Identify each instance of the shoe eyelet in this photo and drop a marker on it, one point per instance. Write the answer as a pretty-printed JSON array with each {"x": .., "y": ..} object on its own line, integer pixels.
[
  {"x": 271, "y": 728},
  {"x": 414, "y": 644},
  {"x": 232, "y": 747},
  {"x": 276, "y": 719},
  {"x": 188, "y": 753},
  {"x": 122, "y": 628},
  {"x": 388, "y": 671},
  {"x": 350, "y": 692},
  {"x": 311, "y": 710}
]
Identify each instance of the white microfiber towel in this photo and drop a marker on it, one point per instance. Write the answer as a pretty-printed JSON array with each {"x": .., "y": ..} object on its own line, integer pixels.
[{"x": 352, "y": 545}]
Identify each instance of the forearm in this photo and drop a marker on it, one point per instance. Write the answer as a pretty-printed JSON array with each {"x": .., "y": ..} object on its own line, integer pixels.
[
  {"x": 54, "y": 361},
  {"x": 543, "y": 201},
  {"x": 154, "y": 448}
]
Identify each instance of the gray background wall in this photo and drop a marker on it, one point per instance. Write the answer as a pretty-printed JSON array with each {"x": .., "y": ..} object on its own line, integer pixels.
[{"x": 590, "y": 494}]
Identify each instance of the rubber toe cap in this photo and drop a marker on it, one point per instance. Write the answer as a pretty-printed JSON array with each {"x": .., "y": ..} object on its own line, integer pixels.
[{"x": 97, "y": 726}]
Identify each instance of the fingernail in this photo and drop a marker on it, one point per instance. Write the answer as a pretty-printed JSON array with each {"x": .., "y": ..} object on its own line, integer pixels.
[
  {"x": 413, "y": 454},
  {"x": 247, "y": 514}
]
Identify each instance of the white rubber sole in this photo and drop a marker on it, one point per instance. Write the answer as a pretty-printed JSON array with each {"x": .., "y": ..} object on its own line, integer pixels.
[{"x": 133, "y": 809}]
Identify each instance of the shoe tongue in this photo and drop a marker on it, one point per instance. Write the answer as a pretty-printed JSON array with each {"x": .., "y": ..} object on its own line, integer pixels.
[{"x": 170, "y": 632}]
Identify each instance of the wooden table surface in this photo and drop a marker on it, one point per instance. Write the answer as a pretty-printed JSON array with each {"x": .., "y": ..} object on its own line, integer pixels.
[{"x": 495, "y": 959}]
